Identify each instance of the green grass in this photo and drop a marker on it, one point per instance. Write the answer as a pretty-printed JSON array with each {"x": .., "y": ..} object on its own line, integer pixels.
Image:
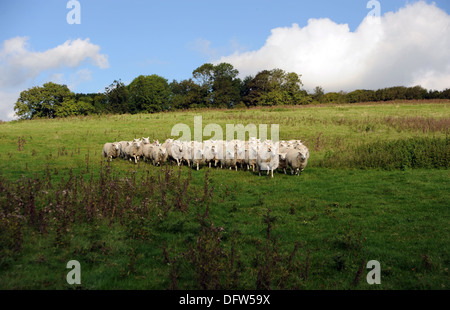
[{"x": 339, "y": 216}]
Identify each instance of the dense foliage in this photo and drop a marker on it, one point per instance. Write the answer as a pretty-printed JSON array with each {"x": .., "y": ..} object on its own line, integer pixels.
[{"x": 211, "y": 86}]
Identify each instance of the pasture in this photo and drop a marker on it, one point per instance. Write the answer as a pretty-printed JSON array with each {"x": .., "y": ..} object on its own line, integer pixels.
[{"x": 376, "y": 188}]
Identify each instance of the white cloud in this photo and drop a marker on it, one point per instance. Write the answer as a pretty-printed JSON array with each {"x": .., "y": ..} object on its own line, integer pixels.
[
  {"x": 19, "y": 65},
  {"x": 7, "y": 100},
  {"x": 408, "y": 47}
]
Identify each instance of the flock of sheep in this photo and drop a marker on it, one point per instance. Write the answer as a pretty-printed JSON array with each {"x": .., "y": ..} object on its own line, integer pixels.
[{"x": 253, "y": 154}]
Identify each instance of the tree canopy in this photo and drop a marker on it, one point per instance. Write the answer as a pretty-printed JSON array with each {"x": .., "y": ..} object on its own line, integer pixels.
[{"x": 211, "y": 86}]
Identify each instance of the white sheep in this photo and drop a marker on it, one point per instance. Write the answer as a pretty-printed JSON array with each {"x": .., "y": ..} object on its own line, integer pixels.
[
  {"x": 134, "y": 150},
  {"x": 297, "y": 159},
  {"x": 111, "y": 150},
  {"x": 175, "y": 151},
  {"x": 197, "y": 154},
  {"x": 211, "y": 152},
  {"x": 251, "y": 155},
  {"x": 145, "y": 140},
  {"x": 186, "y": 154},
  {"x": 123, "y": 145},
  {"x": 147, "y": 151},
  {"x": 268, "y": 157},
  {"x": 159, "y": 155}
]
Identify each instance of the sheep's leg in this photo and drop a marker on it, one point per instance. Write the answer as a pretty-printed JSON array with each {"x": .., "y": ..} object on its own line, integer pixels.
[
  {"x": 197, "y": 166},
  {"x": 209, "y": 164},
  {"x": 284, "y": 169},
  {"x": 271, "y": 172}
]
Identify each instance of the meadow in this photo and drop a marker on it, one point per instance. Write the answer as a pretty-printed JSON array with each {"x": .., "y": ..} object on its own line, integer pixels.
[{"x": 376, "y": 188}]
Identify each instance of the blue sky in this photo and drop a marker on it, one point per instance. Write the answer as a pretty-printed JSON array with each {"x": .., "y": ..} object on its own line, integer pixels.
[{"x": 168, "y": 38}]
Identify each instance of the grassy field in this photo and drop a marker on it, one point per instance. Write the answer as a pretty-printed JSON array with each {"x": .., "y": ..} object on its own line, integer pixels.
[{"x": 144, "y": 227}]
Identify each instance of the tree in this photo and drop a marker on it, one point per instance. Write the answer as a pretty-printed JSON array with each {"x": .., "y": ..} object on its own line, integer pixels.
[
  {"x": 51, "y": 100},
  {"x": 275, "y": 87},
  {"x": 117, "y": 96},
  {"x": 219, "y": 84},
  {"x": 416, "y": 92},
  {"x": 204, "y": 75},
  {"x": 186, "y": 94},
  {"x": 149, "y": 93},
  {"x": 226, "y": 87},
  {"x": 319, "y": 94},
  {"x": 256, "y": 87}
]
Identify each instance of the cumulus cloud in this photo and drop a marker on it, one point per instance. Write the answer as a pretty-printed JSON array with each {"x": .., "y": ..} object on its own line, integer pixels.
[
  {"x": 408, "y": 47},
  {"x": 19, "y": 65}
]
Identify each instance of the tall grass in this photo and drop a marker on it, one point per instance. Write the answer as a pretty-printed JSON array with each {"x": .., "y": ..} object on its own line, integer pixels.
[{"x": 430, "y": 153}]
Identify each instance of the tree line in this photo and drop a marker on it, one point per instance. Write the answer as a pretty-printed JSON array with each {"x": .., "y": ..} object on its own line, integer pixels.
[{"x": 211, "y": 86}]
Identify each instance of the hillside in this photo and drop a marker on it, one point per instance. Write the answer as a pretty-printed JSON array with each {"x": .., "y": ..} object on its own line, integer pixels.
[{"x": 376, "y": 188}]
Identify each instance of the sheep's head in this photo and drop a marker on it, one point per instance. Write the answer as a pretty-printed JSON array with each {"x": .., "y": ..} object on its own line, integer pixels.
[
  {"x": 146, "y": 140},
  {"x": 115, "y": 146},
  {"x": 302, "y": 156},
  {"x": 230, "y": 154},
  {"x": 137, "y": 144},
  {"x": 282, "y": 156}
]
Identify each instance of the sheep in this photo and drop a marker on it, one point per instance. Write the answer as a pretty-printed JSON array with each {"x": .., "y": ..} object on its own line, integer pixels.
[
  {"x": 145, "y": 140},
  {"x": 240, "y": 154},
  {"x": 134, "y": 150},
  {"x": 268, "y": 158},
  {"x": 282, "y": 161},
  {"x": 186, "y": 154},
  {"x": 211, "y": 151},
  {"x": 251, "y": 154},
  {"x": 123, "y": 145},
  {"x": 111, "y": 150},
  {"x": 159, "y": 155},
  {"x": 167, "y": 143},
  {"x": 229, "y": 160},
  {"x": 175, "y": 151},
  {"x": 297, "y": 159},
  {"x": 260, "y": 155},
  {"x": 197, "y": 154},
  {"x": 147, "y": 151}
]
